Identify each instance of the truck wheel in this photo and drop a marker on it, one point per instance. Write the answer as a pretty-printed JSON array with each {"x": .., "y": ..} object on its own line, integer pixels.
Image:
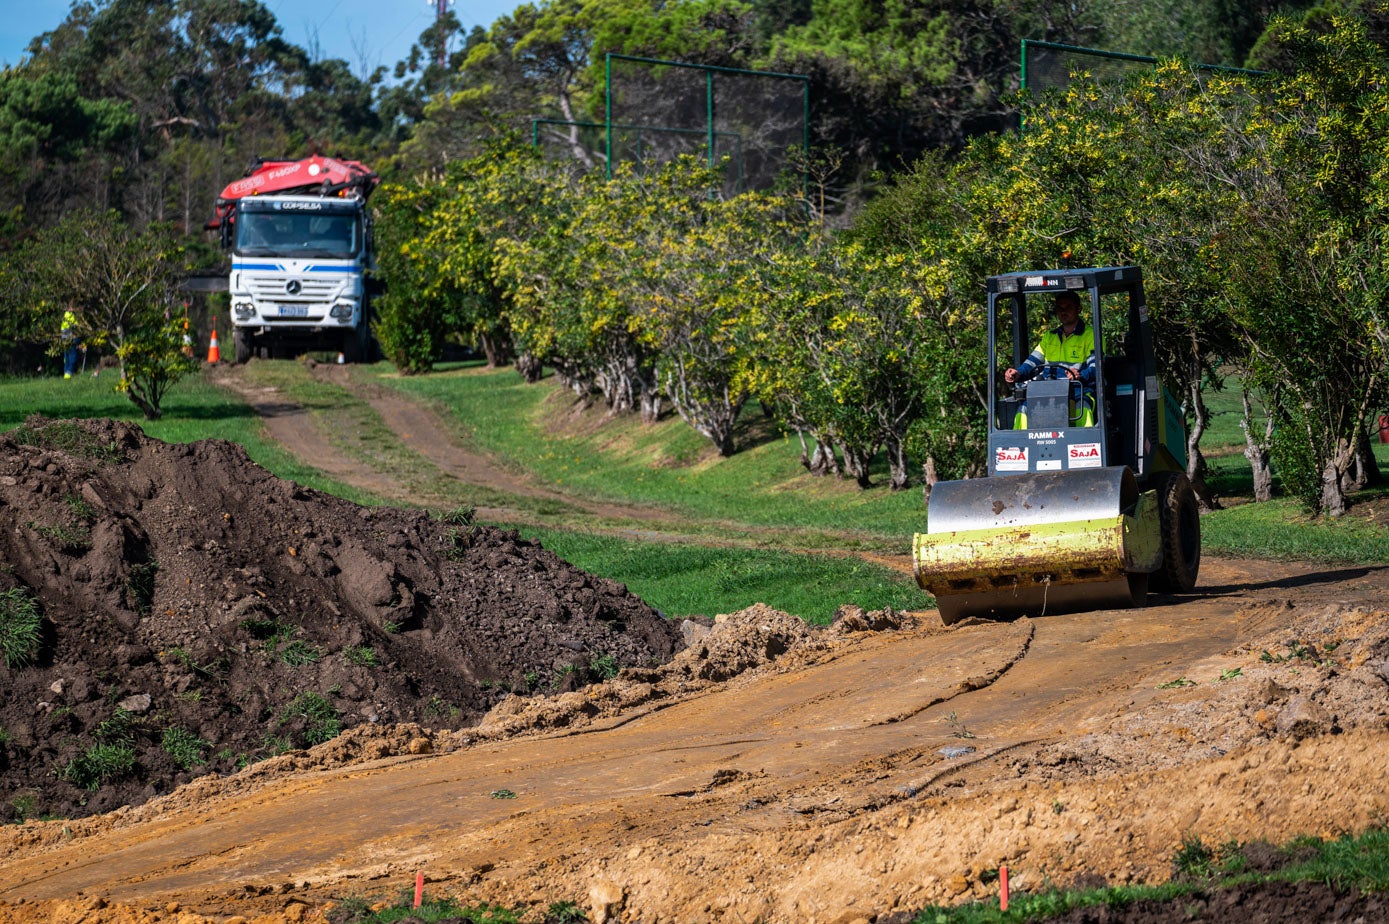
[
  {"x": 1181, "y": 535},
  {"x": 369, "y": 346},
  {"x": 241, "y": 342},
  {"x": 352, "y": 346}
]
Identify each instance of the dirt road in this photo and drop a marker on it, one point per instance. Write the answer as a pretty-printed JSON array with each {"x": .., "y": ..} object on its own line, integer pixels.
[
  {"x": 873, "y": 771},
  {"x": 421, "y": 430},
  {"x": 847, "y": 774}
]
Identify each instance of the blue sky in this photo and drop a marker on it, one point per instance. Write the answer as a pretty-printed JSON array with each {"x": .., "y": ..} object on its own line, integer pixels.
[{"x": 374, "y": 32}]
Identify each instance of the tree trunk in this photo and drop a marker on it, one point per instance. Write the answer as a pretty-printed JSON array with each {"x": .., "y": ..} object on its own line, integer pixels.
[
  {"x": 529, "y": 367},
  {"x": 1257, "y": 451},
  {"x": 898, "y": 479},
  {"x": 497, "y": 349},
  {"x": 1333, "y": 495},
  {"x": 650, "y": 405},
  {"x": 713, "y": 417},
  {"x": 931, "y": 476},
  {"x": 856, "y": 464},
  {"x": 1364, "y": 470},
  {"x": 823, "y": 461},
  {"x": 1195, "y": 461},
  {"x": 137, "y": 397}
]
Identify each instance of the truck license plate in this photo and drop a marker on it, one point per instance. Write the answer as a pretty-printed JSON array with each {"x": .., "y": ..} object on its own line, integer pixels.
[{"x": 294, "y": 311}]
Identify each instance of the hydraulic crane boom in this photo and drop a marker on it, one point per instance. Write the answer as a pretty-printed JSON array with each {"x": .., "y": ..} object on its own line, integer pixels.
[{"x": 314, "y": 176}]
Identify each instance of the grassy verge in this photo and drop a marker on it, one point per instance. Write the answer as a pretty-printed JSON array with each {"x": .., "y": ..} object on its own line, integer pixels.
[
  {"x": 666, "y": 464},
  {"x": 195, "y": 409},
  {"x": 687, "y": 579},
  {"x": 1360, "y": 862},
  {"x": 1279, "y": 529}
]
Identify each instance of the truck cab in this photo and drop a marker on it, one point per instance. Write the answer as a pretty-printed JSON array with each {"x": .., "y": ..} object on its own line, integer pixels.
[{"x": 298, "y": 274}]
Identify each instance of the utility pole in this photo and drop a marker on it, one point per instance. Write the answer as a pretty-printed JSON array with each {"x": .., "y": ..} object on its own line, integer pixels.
[{"x": 441, "y": 54}]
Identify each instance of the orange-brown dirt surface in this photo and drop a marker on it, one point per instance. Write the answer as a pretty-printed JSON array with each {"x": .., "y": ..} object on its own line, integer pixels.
[{"x": 771, "y": 771}]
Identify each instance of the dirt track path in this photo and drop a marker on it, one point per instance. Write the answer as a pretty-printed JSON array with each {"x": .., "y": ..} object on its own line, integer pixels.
[
  {"x": 823, "y": 792},
  {"x": 420, "y": 429}
]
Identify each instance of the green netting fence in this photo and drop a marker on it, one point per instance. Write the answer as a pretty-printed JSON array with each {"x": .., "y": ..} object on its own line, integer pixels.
[
  {"x": 754, "y": 123},
  {"x": 658, "y": 110},
  {"x": 1047, "y": 65}
]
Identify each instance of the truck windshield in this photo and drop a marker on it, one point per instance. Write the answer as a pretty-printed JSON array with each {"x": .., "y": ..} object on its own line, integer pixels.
[{"x": 300, "y": 234}]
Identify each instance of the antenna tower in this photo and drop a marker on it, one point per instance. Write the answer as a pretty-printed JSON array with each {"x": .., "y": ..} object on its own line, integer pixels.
[{"x": 441, "y": 53}]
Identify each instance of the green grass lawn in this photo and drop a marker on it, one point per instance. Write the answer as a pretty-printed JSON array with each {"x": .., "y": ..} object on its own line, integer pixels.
[
  {"x": 1277, "y": 529},
  {"x": 683, "y": 579},
  {"x": 194, "y": 409}
]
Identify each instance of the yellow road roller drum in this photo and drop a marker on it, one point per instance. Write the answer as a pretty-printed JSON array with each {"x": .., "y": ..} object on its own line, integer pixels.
[{"x": 1086, "y": 504}]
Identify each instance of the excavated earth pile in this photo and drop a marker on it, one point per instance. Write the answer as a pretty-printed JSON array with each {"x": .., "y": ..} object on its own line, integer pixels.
[{"x": 169, "y": 611}]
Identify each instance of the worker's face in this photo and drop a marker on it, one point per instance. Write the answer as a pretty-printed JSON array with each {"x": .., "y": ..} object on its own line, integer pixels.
[{"x": 1067, "y": 311}]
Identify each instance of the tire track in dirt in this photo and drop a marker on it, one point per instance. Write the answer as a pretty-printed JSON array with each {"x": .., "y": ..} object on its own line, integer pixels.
[
  {"x": 292, "y": 426},
  {"x": 422, "y": 430}
]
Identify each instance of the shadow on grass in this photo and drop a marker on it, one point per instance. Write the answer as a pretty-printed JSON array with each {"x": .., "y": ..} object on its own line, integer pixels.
[{"x": 1296, "y": 580}]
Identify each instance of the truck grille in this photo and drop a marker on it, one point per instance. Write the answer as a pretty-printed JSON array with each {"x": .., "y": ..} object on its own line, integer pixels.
[{"x": 273, "y": 289}]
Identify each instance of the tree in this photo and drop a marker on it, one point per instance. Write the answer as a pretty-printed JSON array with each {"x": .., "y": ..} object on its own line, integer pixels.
[
  {"x": 698, "y": 254},
  {"x": 565, "y": 277},
  {"x": 1308, "y": 296},
  {"x": 123, "y": 284},
  {"x": 412, "y": 318},
  {"x": 152, "y": 362},
  {"x": 54, "y": 140}
]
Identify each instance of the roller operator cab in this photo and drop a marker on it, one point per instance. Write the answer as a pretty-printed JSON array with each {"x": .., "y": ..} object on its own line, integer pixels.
[{"x": 1086, "y": 504}]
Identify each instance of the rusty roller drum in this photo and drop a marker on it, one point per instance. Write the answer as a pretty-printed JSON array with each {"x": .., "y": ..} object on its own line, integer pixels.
[{"x": 1038, "y": 543}]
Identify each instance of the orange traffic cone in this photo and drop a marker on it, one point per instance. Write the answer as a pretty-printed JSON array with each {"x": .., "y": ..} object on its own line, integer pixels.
[{"x": 214, "y": 355}]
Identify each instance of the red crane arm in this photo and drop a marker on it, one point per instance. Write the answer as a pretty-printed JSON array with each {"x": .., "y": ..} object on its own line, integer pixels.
[{"x": 316, "y": 175}]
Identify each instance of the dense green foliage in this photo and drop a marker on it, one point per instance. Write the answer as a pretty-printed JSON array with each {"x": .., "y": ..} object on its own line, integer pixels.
[
  {"x": 651, "y": 287},
  {"x": 648, "y": 293},
  {"x": 121, "y": 286}
]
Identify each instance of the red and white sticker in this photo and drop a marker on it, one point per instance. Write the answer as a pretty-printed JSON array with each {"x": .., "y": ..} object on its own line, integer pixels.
[
  {"x": 1084, "y": 455},
  {"x": 1010, "y": 459}
]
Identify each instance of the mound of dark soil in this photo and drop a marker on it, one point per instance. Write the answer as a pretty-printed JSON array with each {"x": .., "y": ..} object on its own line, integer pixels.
[{"x": 169, "y": 610}]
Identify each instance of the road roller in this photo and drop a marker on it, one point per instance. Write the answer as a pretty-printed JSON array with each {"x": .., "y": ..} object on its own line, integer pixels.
[{"x": 1086, "y": 504}]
